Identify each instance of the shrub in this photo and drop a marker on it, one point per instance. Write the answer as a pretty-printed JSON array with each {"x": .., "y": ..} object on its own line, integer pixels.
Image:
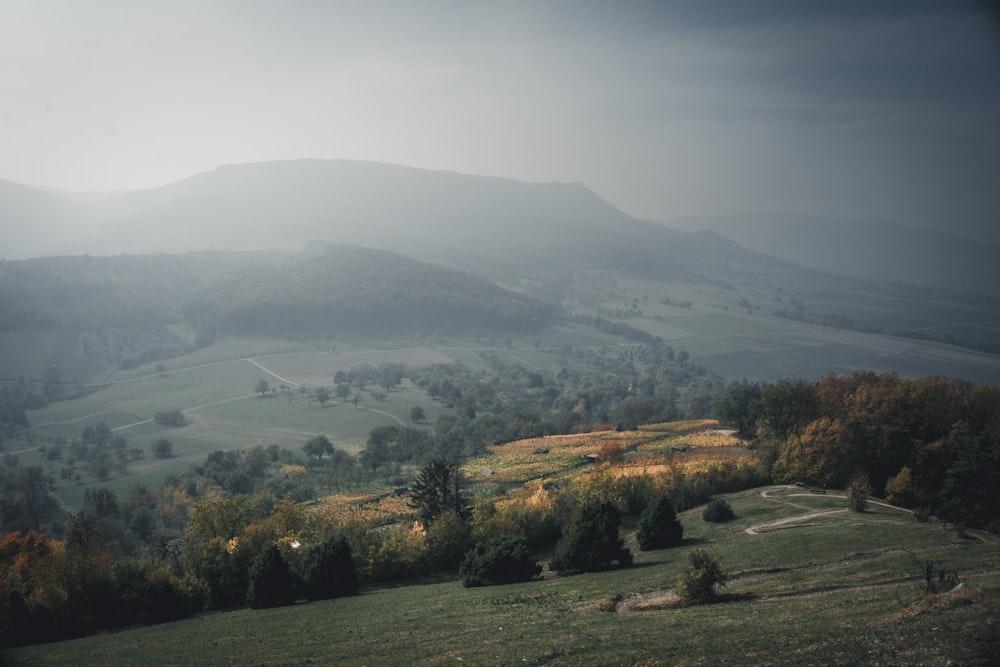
[
  {"x": 857, "y": 493},
  {"x": 591, "y": 541},
  {"x": 504, "y": 559},
  {"x": 271, "y": 581},
  {"x": 658, "y": 526},
  {"x": 698, "y": 584},
  {"x": 718, "y": 511},
  {"x": 328, "y": 571}
]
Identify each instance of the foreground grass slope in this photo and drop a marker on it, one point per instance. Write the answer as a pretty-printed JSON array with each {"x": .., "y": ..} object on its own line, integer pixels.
[{"x": 811, "y": 584}]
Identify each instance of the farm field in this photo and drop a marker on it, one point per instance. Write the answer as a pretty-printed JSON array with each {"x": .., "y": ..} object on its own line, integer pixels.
[
  {"x": 222, "y": 410},
  {"x": 720, "y": 334},
  {"x": 844, "y": 590}
]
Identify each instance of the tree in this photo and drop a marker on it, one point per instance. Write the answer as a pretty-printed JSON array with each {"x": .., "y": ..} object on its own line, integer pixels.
[
  {"x": 167, "y": 418},
  {"x": 271, "y": 582},
  {"x": 438, "y": 488},
  {"x": 591, "y": 542},
  {"x": 417, "y": 414},
  {"x": 699, "y": 583},
  {"x": 317, "y": 446},
  {"x": 262, "y": 387},
  {"x": 738, "y": 407},
  {"x": 858, "y": 491},
  {"x": 658, "y": 526},
  {"x": 163, "y": 448},
  {"x": 329, "y": 571},
  {"x": 343, "y": 390},
  {"x": 718, "y": 511},
  {"x": 161, "y": 369},
  {"x": 448, "y": 540},
  {"x": 501, "y": 559},
  {"x": 322, "y": 395}
]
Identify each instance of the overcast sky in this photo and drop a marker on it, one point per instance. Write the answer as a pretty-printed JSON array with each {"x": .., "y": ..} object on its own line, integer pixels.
[{"x": 874, "y": 109}]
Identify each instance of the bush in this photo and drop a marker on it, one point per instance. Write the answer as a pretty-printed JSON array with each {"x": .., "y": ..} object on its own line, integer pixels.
[
  {"x": 504, "y": 559},
  {"x": 591, "y": 542},
  {"x": 857, "y": 493},
  {"x": 658, "y": 526},
  {"x": 328, "y": 571},
  {"x": 698, "y": 584},
  {"x": 271, "y": 581},
  {"x": 718, "y": 511}
]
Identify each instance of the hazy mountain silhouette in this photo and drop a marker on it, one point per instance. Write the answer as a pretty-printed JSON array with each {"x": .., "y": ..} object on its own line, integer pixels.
[
  {"x": 500, "y": 228},
  {"x": 860, "y": 247}
]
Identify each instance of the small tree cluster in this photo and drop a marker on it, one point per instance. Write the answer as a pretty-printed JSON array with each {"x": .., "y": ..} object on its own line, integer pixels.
[
  {"x": 658, "y": 526},
  {"x": 169, "y": 418},
  {"x": 503, "y": 559}
]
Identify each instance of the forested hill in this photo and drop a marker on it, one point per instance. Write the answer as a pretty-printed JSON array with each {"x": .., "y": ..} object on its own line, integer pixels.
[
  {"x": 346, "y": 289},
  {"x": 122, "y": 310}
]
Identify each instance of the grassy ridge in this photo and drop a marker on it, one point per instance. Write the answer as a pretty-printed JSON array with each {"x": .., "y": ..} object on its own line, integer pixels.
[{"x": 830, "y": 592}]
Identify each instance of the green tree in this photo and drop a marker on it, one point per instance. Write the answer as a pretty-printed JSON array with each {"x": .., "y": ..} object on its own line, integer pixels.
[
  {"x": 699, "y": 583},
  {"x": 718, "y": 511},
  {"x": 738, "y": 407},
  {"x": 262, "y": 387},
  {"x": 329, "y": 570},
  {"x": 439, "y": 487},
  {"x": 786, "y": 407},
  {"x": 501, "y": 559},
  {"x": 271, "y": 583},
  {"x": 322, "y": 395},
  {"x": 343, "y": 390},
  {"x": 166, "y": 418},
  {"x": 317, "y": 446},
  {"x": 591, "y": 542},
  {"x": 448, "y": 539},
  {"x": 163, "y": 449},
  {"x": 858, "y": 491},
  {"x": 658, "y": 526},
  {"x": 417, "y": 414}
]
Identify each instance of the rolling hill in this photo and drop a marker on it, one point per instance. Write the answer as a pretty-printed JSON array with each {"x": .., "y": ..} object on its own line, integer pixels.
[{"x": 873, "y": 249}]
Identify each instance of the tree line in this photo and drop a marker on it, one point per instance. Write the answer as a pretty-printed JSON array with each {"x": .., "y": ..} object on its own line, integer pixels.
[{"x": 931, "y": 444}]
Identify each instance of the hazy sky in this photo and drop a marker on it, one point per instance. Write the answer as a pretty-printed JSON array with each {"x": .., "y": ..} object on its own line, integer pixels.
[{"x": 884, "y": 109}]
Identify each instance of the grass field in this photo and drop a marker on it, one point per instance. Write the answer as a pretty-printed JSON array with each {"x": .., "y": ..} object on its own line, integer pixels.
[
  {"x": 215, "y": 390},
  {"x": 839, "y": 591},
  {"x": 721, "y": 334}
]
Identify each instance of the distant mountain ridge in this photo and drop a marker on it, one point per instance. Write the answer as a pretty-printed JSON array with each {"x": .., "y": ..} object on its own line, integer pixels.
[
  {"x": 499, "y": 228},
  {"x": 869, "y": 248}
]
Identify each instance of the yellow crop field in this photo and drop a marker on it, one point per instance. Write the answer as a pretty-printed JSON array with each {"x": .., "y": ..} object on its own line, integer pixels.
[{"x": 535, "y": 458}]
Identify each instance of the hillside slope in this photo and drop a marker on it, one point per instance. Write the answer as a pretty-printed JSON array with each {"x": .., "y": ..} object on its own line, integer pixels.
[{"x": 875, "y": 249}]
